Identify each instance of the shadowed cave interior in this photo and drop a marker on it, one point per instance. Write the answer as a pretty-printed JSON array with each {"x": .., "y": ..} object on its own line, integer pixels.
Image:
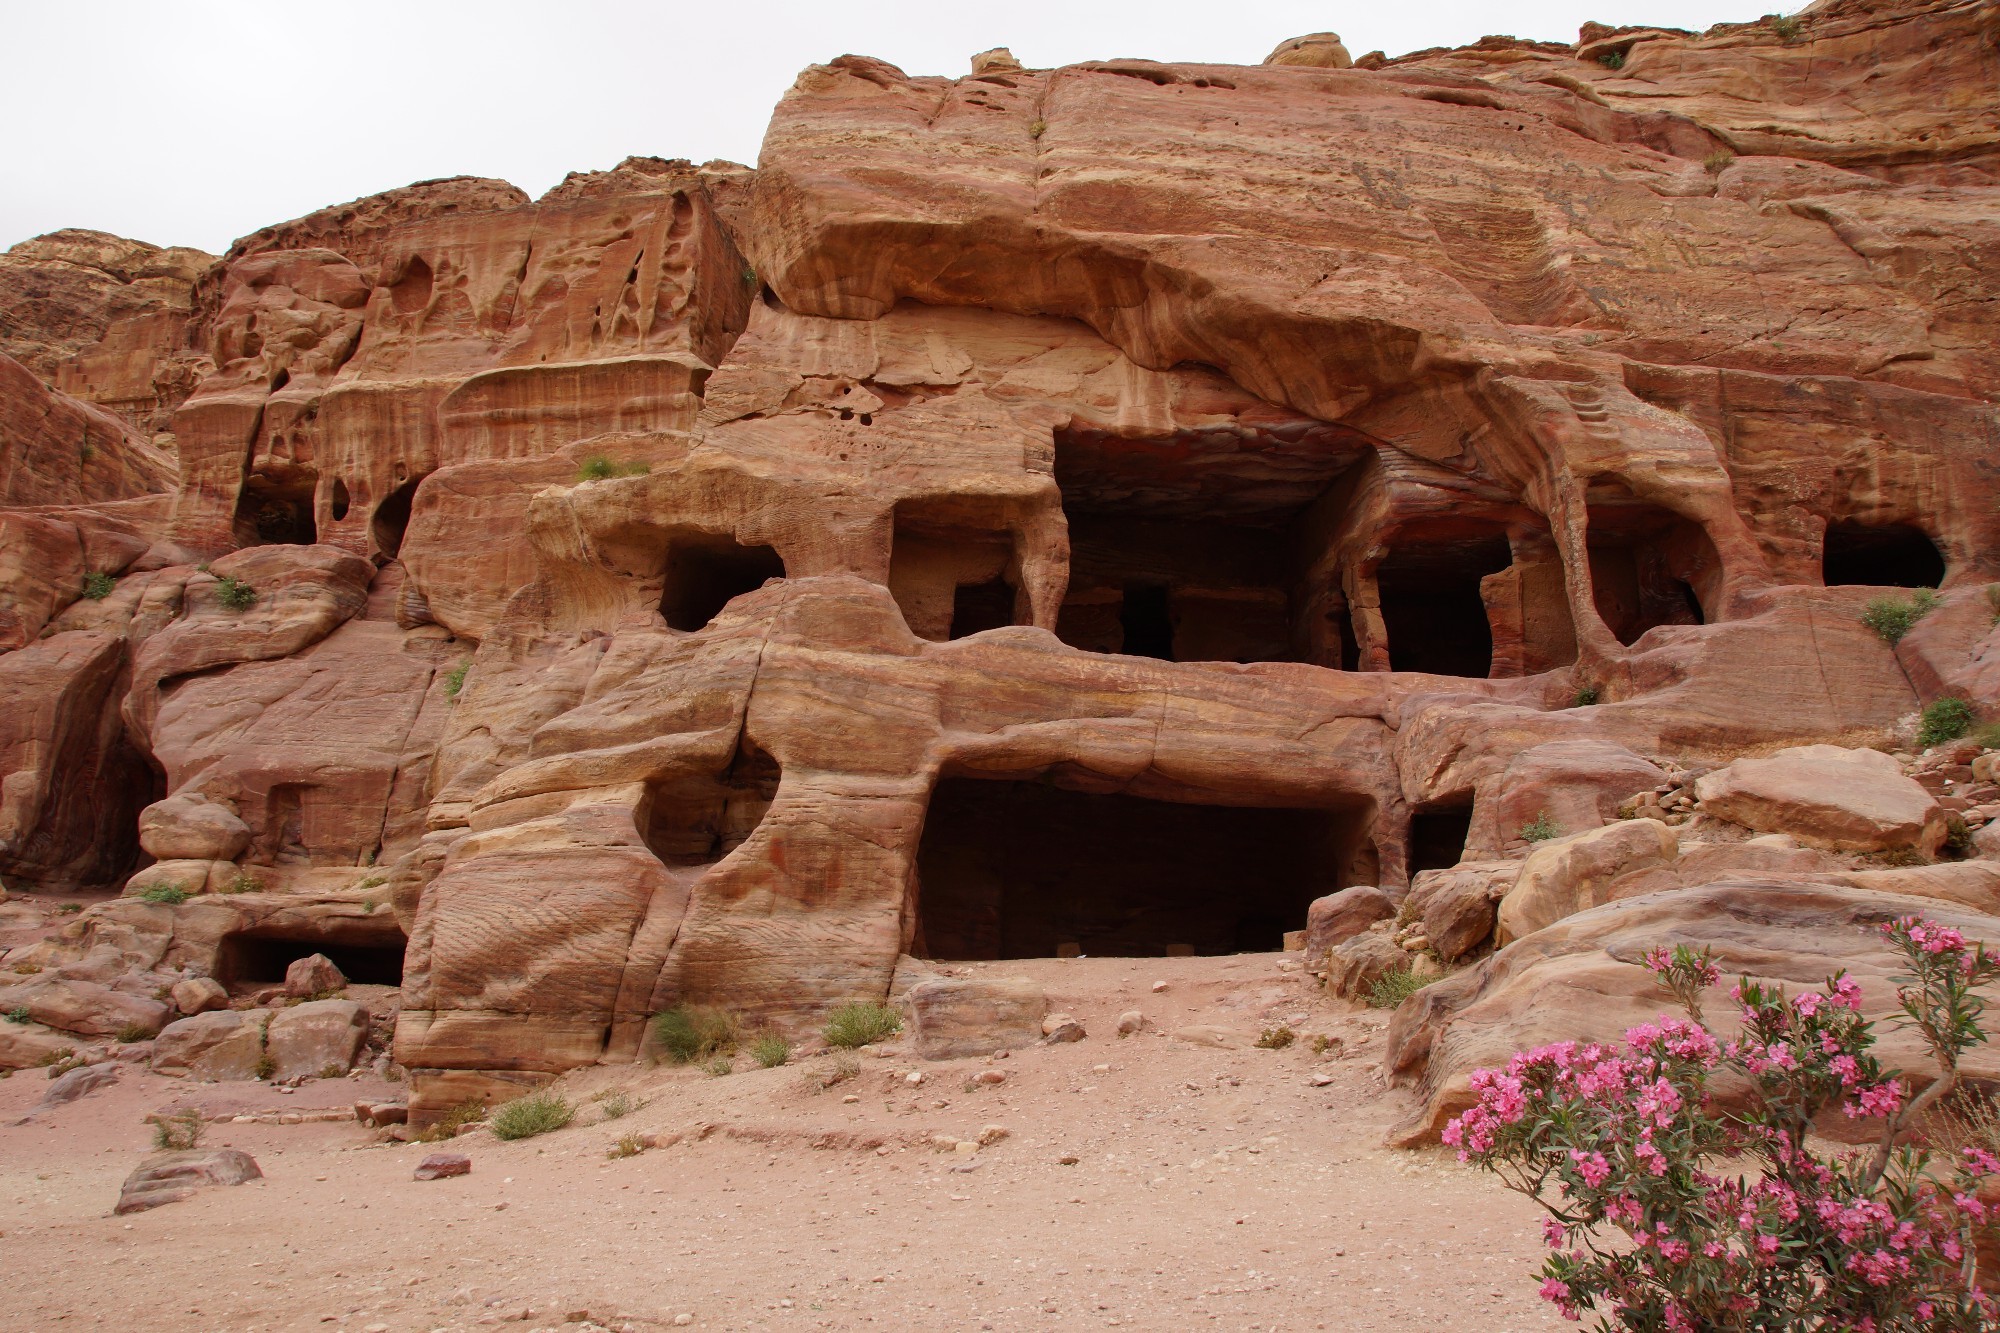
[
  {"x": 1025, "y": 869},
  {"x": 259, "y": 960},
  {"x": 1891, "y": 555}
]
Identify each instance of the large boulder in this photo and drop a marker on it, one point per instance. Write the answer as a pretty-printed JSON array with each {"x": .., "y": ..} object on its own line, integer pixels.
[
  {"x": 315, "y": 974},
  {"x": 198, "y": 995},
  {"x": 1826, "y": 796},
  {"x": 1575, "y": 785},
  {"x": 222, "y": 1045},
  {"x": 1315, "y": 50},
  {"x": 187, "y": 826},
  {"x": 1357, "y": 964},
  {"x": 171, "y": 1177},
  {"x": 1571, "y": 874},
  {"x": 951, "y": 1017},
  {"x": 86, "y": 1007},
  {"x": 1341, "y": 916},
  {"x": 30, "y": 1045},
  {"x": 321, "y": 1037},
  {"x": 1584, "y": 979},
  {"x": 1456, "y": 907}
]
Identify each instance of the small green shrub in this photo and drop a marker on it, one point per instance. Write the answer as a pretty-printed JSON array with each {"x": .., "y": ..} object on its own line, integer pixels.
[
  {"x": 131, "y": 1032},
  {"x": 244, "y": 882},
  {"x": 454, "y": 679},
  {"x": 536, "y": 1113},
  {"x": 689, "y": 1035},
  {"x": 749, "y": 276},
  {"x": 860, "y": 1024},
  {"x": 70, "y": 909},
  {"x": 770, "y": 1050},
  {"x": 629, "y": 1146},
  {"x": 1945, "y": 720},
  {"x": 266, "y": 1066},
  {"x": 1787, "y": 27},
  {"x": 1585, "y": 696},
  {"x": 618, "y": 1105},
  {"x": 1321, "y": 1043},
  {"x": 1540, "y": 829},
  {"x": 180, "y": 1131},
  {"x": 596, "y": 468},
  {"x": 1892, "y": 619},
  {"x": 170, "y": 894},
  {"x": 719, "y": 1066},
  {"x": 1276, "y": 1039},
  {"x": 54, "y": 1059},
  {"x": 1612, "y": 60},
  {"x": 1718, "y": 161},
  {"x": 61, "y": 1064},
  {"x": 1037, "y": 128},
  {"x": 19, "y": 1014},
  {"x": 641, "y": 468},
  {"x": 1987, "y": 735},
  {"x": 97, "y": 587},
  {"x": 1392, "y": 988},
  {"x": 235, "y": 594},
  {"x": 447, "y": 1125}
]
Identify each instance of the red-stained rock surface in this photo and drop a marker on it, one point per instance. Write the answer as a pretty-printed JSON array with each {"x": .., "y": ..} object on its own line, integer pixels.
[{"x": 1101, "y": 509}]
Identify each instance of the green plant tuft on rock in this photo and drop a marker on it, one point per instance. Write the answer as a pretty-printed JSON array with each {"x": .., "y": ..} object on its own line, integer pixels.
[
  {"x": 596, "y": 468},
  {"x": 860, "y": 1024},
  {"x": 179, "y": 1131},
  {"x": 1945, "y": 720},
  {"x": 170, "y": 894},
  {"x": 1540, "y": 829},
  {"x": 1892, "y": 618},
  {"x": 536, "y": 1113},
  {"x": 690, "y": 1034},
  {"x": 97, "y": 587},
  {"x": 235, "y": 594},
  {"x": 1392, "y": 988},
  {"x": 770, "y": 1050}
]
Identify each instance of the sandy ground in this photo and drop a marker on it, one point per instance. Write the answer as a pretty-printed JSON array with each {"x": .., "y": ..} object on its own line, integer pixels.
[{"x": 1210, "y": 1188}]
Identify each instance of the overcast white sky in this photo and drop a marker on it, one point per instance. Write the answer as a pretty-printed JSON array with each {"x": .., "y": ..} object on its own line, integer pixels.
[{"x": 195, "y": 122}]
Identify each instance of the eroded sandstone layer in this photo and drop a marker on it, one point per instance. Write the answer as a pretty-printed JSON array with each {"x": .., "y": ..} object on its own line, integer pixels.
[{"x": 1104, "y": 509}]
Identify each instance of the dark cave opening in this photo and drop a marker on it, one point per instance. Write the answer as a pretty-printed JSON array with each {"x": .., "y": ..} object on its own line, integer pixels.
[
  {"x": 1888, "y": 555},
  {"x": 260, "y": 960},
  {"x": 1024, "y": 869},
  {"x": 1203, "y": 544},
  {"x": 1145, "y": 622},
  {"x": 392, "y": 518},
  {"x": 1648, "y": 567},
  {"x": 277, "y": 510},
  {"x": 951, "y": 568},
  {"x": 706, "y": 572},
  {"x": 1437, "y": 837},
  {"x": 981, "y": 606},
  {"x": 697, "y": 820},
  {"x": 1433, "y": 609}
]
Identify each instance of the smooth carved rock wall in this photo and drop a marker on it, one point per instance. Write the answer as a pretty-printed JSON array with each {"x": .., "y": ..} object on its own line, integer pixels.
[{"x": 631, "y": 565}]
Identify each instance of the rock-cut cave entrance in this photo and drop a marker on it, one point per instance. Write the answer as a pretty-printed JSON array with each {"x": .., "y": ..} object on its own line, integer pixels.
[
  {"x": 1433, "y": 606},
  {"x": 253, "y": 958},
  {"x": 1887, "y": 555},
  {"x": 1200, "y": 545},
  {"x": 706, "y": 571},
  {"x": 952, "y": 568},
  {"x": 1024, "y": 869},
  {"x": 277, "y": 510},
  {"x": 1649, "y": 567},
  {"x": 1437, "y": 837}
]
